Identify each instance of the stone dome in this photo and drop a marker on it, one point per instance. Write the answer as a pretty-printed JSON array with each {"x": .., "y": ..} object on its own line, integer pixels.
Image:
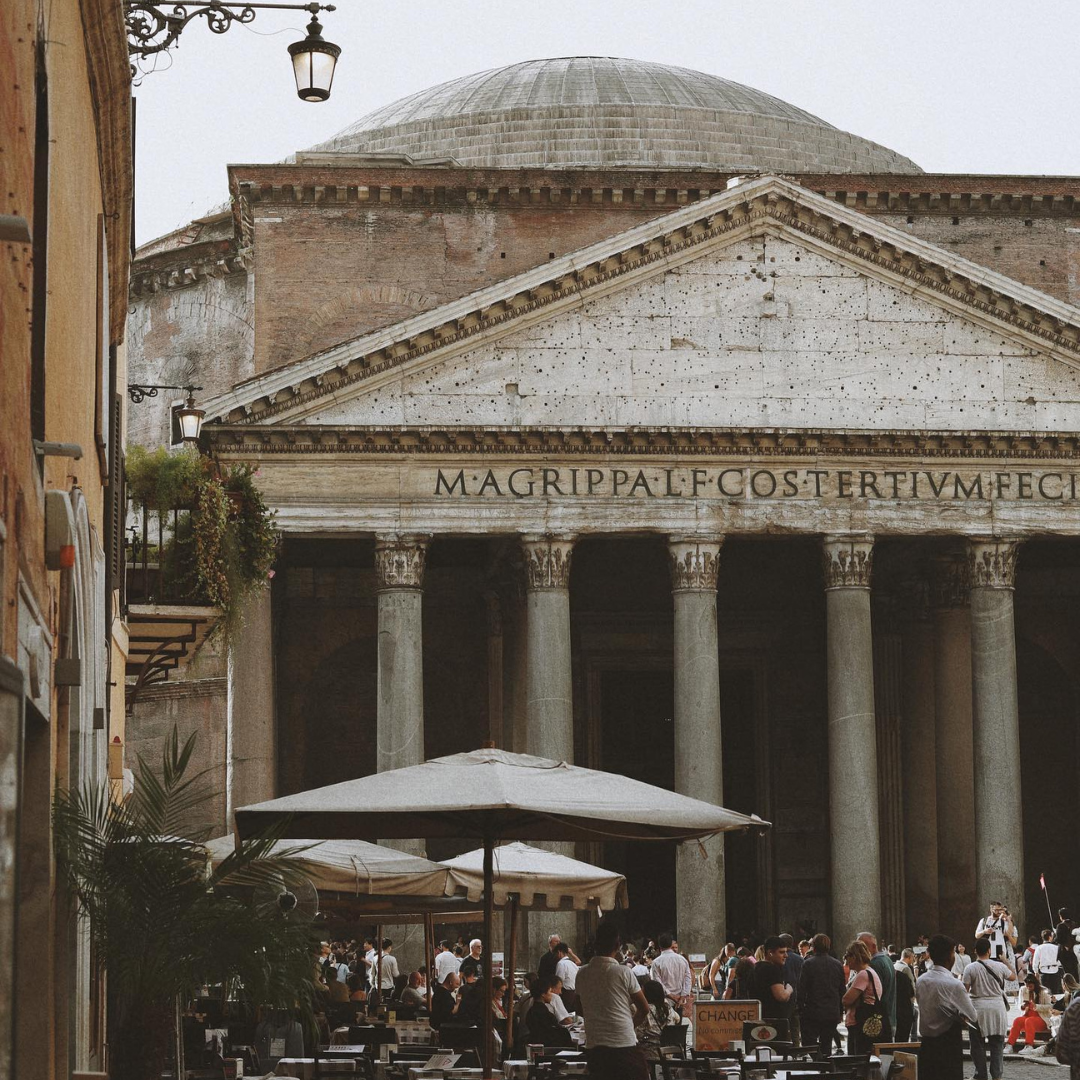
[{"x": 603, "y": 112}]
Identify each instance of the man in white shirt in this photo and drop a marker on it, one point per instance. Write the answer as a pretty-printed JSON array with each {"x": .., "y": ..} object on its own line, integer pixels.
[
  {"x": 566, "y": 971},
  {"x": 388, "y": 969},
  {"x": 445, "y": 962},
  {"x": 944, "y": 1005},
  {"x": 613, "y": 1005},
  {"x": 672, "y": 971},
  {"x": 1046, "y": 965},
  {"x": 998, "y": 926}
]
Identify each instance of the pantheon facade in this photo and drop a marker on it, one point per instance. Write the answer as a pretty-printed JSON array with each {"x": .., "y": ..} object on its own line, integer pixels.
[{"x": 620, "y": 414}]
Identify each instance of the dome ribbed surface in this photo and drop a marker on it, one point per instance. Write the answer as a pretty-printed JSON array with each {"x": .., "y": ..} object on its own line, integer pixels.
[{"x": 595, "y": 111}]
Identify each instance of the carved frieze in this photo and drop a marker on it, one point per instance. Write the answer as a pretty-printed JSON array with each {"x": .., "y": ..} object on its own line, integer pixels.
[
  {"x": 547, "y": 561},
  {"x": 847, "y": 561},
  {"x": 399, "y": 562},
  {"x": 695, "y": 564},
  {"x": 992, "y": 563}
]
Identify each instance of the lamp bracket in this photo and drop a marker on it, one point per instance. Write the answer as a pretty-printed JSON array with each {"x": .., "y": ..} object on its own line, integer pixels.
[
  {"x": 139, "y": 391},
  {"x": 153, "y": 26}
]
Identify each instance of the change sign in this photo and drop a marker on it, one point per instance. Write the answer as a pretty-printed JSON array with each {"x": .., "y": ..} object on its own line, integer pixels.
[{"x": 717, "y": 1024}]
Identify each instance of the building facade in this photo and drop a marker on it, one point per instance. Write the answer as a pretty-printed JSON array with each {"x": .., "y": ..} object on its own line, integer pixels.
[
  {"x": 618, "y": 414},
  {"x": 65, "y": 137}
]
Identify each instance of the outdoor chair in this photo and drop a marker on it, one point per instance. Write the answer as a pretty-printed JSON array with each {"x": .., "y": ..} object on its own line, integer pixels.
[
  {"x": 674, "y": 1035},
  {"x": 674, "y": 1066}
]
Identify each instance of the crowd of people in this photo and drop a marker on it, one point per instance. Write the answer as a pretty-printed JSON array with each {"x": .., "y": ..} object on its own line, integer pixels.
[{"x": 631, "y": 992}]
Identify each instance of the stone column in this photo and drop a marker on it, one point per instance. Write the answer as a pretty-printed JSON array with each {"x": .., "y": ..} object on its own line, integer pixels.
[
  {"x": 549, "y": 692},
  {"x": 918, "y": 739},
  {"x": 853, "y": 779},
  {"x": 958, "y": 912},
  {"x": 701, "y": 900},
  {"x": 251, "y": 728},
  {"x": 999, "y": 833},
  {"x": 399, "y": 574}
]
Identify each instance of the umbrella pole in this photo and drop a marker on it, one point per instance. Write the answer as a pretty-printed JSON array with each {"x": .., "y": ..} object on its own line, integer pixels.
[
  {"x": 512, "y": 987},
  {"x": 489, "y": 1015},
  {"x": 429, "y": 948}
]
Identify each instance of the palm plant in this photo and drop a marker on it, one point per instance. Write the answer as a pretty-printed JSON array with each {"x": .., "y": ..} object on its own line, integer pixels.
[{"x": 160, "y": 924}]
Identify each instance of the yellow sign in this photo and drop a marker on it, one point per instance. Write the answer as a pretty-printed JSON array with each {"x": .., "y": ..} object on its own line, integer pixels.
[{"x": 717, "y": 1024}]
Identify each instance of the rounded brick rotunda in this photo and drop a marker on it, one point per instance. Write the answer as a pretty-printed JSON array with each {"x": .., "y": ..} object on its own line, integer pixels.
[{"x": 599, "y": 111}]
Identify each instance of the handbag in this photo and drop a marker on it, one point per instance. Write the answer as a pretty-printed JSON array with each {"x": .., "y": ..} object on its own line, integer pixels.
[{"x": 869, "y": 1016}]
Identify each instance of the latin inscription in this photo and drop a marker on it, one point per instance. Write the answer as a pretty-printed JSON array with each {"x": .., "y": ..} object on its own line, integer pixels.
[{"x": 752, "y": 482}]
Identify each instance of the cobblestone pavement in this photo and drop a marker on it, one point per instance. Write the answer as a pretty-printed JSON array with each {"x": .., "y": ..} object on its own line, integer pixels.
[{"x": 1017, "y": 1069}]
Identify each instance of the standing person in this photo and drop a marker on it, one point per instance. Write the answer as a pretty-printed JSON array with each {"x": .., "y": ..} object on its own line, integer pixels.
[
  {"x": 1046, "y": 963},
  {"x": 546, "y": 966},
  {"x": 819, "y": 995},
  {"x": 998, "y": 926},
  {"x": 566, "y": 971},
  {"x": 961, "y": 962},
  {"x": 672, "y": 971},
  {"x": 614, "y": 1005},
  {"x": 445, "y": 962},
  {"x": 1068, "y": 1040},
  {"x": 863, "y": 989},
  {"x": 388, "y": 970},
  {"x": 905, "y": 995},
  {"x": 793, "y": 965},
  {"x": 882, "y": 963},
  {"x": 985, "y": 982},
  {"x": 718, "y": 970},
  {"x": 768, "y": 983},
  {"x": 944, "y": 1005},
  {"x": 473, "y": 962}
]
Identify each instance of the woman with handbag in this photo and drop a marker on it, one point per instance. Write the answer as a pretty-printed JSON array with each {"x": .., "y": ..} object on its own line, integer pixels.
[{"x": 865, "y": 1015}]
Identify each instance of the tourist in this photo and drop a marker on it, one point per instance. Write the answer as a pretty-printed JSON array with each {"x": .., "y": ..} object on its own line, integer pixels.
[
  {"x": 556, "y": 1006},
  {"x": 388, "y": 969},
  {"x": 546, "y": 967},
  {"x": 863, "y": 989},
  {"x": 1030, "y": 1022},
  {"x": 985, "y": 981},
  {"x": 998, "y": 926},
  {"x": 415, "y": 992},
  {"x": 1046, "y": 963},
  {"x": 672, "y": 971},
  {"x": 819, "y": 995},
  {"x": 768, "y": 984},
  {"x": 793, "y": 964},
  {"x": 473, "y": 961},
  {"x": 886, "y": 972},
  {"x": 905, "y": 995},
  {"x": 944, "y": 1005},
  {"x": 498, "y": 997},
  {"x": 740, "y": 986},
  {"x": 660, "y": 1016},
  {"x": 1066, "y": 943},
  {"x": 566, "y": 972},
  {"x": 1068, "y": 1040},
  {"x": 543, "y": 1027},
  {"x": 961, "y": 962},
  {"x": 716, "y": 980},
  {"x": 614, "y": 1005},
  {"x": 805, "y": 948},
  {"x": 444, "y": 1003},
  {"x": 1024, "y": 959},
  {"x": 445, "y": 961}
]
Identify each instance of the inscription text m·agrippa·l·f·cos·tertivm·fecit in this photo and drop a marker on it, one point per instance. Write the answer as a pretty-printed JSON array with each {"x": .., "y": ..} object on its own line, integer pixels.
[{"x": 753, "y": 482}]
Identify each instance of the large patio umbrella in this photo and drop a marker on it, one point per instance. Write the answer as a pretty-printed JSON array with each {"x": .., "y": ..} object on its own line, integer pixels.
[{"x": 493, "y": 795}]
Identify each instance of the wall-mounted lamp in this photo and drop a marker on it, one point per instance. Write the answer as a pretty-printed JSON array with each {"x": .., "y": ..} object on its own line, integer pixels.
[{"x": 189, "y": 417}]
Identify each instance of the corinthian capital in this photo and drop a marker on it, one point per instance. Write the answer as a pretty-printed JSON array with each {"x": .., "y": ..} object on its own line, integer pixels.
[
  {"x": 399, "y": 562},
  {"x": 547, "y": 561},
  {"x": 848, "y": 561},
  {"x": 695, "y": 563},
  {"x": 992, "y": 563}
]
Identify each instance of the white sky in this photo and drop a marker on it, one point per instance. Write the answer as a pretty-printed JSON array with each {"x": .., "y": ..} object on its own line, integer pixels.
[{"x": 974, "y": 86}]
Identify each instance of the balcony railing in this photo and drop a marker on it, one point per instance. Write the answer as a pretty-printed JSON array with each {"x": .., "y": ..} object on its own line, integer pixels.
[{"x": 160, "y": 554}]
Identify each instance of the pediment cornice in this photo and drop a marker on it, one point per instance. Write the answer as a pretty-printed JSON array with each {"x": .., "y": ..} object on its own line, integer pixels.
[{"x": 765, "y": 205}]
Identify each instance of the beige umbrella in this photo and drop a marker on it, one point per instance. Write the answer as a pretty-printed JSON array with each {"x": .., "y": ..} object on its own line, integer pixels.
[
  {"x": 528, "y": 872},
  {"x": 495, "y": 795}
]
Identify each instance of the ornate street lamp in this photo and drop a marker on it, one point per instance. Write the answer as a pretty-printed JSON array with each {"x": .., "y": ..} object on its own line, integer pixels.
[
  {"x": 153, "y": 29},
  {"x": 189, "y": 418},
  {"x": 314, "y": 61}
]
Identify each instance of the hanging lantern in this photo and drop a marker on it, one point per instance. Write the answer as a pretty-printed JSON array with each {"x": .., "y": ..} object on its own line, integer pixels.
[
  {"x": 314, "y": 61},
  {"x": 190, "y": 420}
]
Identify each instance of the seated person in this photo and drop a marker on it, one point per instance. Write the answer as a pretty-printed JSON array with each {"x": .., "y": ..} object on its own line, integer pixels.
[
  {"x": 543, "y": 1027},
  {"x": 444, "y": 1003},
  {"x": 498, "y": 997},
  {"x": 471, "y": 999},
  {"x": 1029, "y": 1023},
  {"x": 415, "y": 991}
]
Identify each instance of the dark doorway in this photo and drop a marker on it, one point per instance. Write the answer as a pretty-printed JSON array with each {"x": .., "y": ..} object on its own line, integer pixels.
[{"x": 638, "y": 741}]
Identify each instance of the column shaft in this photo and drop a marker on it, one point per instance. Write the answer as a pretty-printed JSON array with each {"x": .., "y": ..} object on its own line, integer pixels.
[
  {"x": 399, "y": 564},
  {"x": 252, "y": 726},
  {"x": 918, "y": 739},
  {"x": 853, "y": 781},
  {"x": 700, "y": 885},
  {"x": 999, "y": 832},
  {"x": 955, "y": 791}
]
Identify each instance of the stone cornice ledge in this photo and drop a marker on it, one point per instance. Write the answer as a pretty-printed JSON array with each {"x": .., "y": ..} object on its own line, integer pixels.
[
  {"x": 768, "y": 202},
  {"x": 245, "y": 440}
]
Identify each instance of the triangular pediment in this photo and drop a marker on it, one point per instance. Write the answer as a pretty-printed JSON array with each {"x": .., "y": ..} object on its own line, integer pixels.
[{"x": 765, "y": 306}]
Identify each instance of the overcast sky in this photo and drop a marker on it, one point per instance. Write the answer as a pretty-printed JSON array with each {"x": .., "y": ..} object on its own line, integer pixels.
[{"x": 975, "y": 86}]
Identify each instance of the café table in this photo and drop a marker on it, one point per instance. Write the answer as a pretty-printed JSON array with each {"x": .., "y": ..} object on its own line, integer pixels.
[{"x": 304, "y": 1068}]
